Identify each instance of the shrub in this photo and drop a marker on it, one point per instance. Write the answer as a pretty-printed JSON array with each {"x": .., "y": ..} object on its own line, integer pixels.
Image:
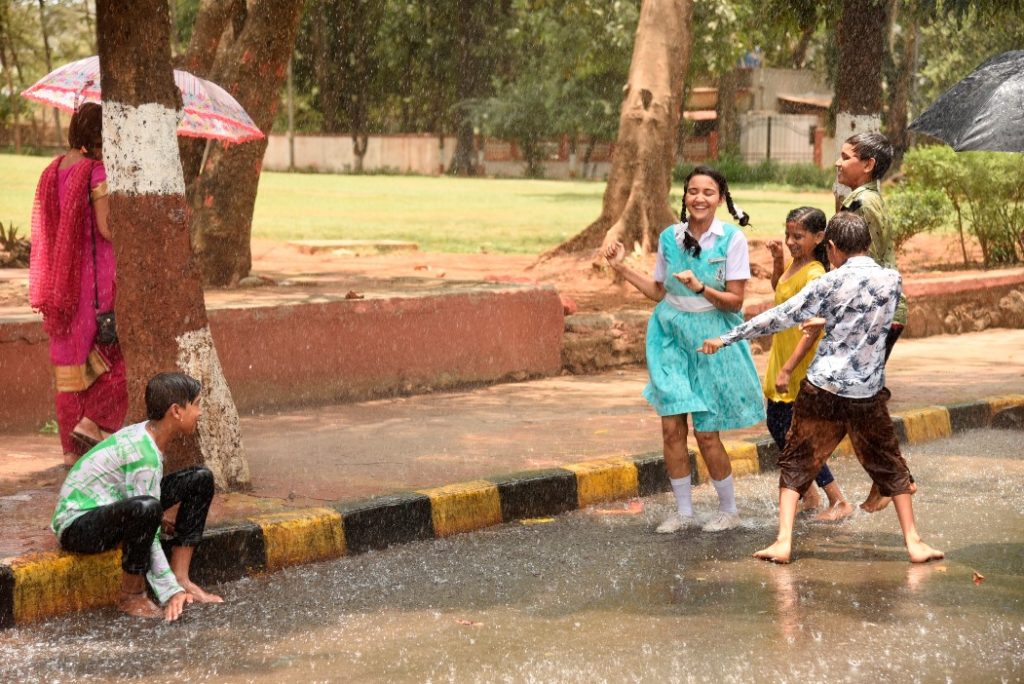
[
  {"x": 985, "y": 190},
  {"x": 915, "y": 209}
]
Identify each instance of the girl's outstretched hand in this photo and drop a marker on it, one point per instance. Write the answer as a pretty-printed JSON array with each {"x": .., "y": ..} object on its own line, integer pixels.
[
  {"x": 711, "y": 345},
  {"x": 614, "y": 253},
  {"x": 775, "y": 247}
]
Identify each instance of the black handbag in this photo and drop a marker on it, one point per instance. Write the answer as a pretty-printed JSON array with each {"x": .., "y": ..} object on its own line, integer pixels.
[{"x": 106, "y": 324}]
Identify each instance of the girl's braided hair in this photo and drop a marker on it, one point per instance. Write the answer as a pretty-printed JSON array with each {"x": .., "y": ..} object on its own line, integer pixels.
[
  {"x": 742, "y": 218},
  {"x": 813, "y": 220}
]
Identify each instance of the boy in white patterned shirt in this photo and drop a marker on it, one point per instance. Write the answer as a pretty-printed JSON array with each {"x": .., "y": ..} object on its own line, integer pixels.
[{"x": 844, "y": 393}]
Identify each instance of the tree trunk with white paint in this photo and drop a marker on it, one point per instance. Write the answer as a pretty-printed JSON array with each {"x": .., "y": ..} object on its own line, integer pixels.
[
  {"x": 861, "y": 38},
  {"x": 161, "y": 316},
  {"x": 636, "y": 200}
]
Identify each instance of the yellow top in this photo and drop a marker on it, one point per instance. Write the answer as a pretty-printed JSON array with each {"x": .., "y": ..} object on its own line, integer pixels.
[{"x": 783, "y": 343}]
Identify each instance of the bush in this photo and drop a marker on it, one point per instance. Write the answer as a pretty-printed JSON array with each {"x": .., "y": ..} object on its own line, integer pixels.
[
  {"x": 915, "y": 209},
  {"x": 985, "y": 191},
  {"x": 738, "y": 171}
]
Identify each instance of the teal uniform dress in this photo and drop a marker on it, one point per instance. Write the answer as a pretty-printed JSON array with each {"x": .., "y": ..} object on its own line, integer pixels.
[{"x": 719, "y": 391}]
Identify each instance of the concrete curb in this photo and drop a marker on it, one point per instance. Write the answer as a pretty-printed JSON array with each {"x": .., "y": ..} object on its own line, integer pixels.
[{"x": 47, "y": 584}]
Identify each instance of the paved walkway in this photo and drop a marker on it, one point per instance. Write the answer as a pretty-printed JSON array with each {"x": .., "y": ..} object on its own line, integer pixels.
[{"x": 305, "y": 456}]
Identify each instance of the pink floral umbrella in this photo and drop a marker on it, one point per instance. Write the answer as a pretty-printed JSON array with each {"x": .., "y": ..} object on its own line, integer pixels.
[{"x": 210, "y": 111}]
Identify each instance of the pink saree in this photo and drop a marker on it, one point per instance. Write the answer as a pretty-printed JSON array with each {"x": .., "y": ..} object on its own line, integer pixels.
[{"x": 64, "y": 279}]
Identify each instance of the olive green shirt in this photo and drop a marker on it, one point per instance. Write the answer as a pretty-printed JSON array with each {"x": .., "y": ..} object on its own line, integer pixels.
[{"x": 866, "y": 201}]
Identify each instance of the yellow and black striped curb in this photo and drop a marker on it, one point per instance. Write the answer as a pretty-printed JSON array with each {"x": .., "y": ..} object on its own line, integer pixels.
[{"x": 47, "y": 584}]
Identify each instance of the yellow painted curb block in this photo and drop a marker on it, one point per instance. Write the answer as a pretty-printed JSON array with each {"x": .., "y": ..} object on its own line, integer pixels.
[
  {"x": 1005, "y": 401},
  {"x": 302, "y": 536},
  {"x": 605, "y": 479},
  {"x": 926, "y": 424},
  {"x": 743, "y": 457},
  {"x": 55, "y": 582},
  {"x": 463, "y": 507}
]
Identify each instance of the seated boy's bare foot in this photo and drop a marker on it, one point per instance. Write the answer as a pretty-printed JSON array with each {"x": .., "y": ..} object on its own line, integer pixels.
[
  {"x": 138, "y": 605},
  {"x": 922, "y": 553},
  {"x": 776, "y": 553},
  {"x": 811, "y": 501},
  {"x": 198, "y": 594},
  {"x": 837, "y": 511}
]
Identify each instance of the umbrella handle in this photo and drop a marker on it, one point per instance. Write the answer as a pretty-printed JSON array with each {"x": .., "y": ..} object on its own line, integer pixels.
[{"x": 78, "y": 93}]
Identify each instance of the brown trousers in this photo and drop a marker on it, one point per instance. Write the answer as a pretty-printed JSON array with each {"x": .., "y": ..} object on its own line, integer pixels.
[{"x": 821, "y": 420}]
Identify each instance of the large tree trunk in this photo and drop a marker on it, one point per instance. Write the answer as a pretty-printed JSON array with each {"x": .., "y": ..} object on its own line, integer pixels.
[
  {"x": 728, "y": 113},
  {"x": 898, "y": 133},
  {"x": 636, "y": 207},
  {"x": 161, "y": 316},
  {"x": 861, "y": 34},
  {"x": 253, "y": 69}
]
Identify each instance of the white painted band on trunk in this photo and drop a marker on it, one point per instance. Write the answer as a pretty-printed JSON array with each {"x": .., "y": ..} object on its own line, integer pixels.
[
  {"x": 140, "y": 149},
  {"x": 851, "y": 124},
  {"x": 220, "y": 434}
]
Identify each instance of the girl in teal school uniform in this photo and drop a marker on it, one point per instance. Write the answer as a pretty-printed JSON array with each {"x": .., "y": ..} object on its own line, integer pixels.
[{"x": 699, "y": 281}]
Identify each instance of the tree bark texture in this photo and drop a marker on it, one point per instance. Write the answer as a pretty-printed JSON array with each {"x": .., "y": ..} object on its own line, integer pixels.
[
  {"x": 898, "y": 133},
  {"x": 161, "y": 316},
  {"x": 253, "y": 69},
  {"x": 636, "y": 207},
  {"x": 728, "y": 113},
  {"x": 861, "y": 39}
]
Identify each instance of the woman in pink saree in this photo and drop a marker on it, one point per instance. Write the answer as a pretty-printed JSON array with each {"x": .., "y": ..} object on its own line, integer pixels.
[{"x": 71, "y": 279}]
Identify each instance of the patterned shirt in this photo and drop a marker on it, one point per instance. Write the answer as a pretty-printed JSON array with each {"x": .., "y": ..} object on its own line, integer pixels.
[
  {"x": 126, "y": 464},
  {"x": 857, "y": 301}
]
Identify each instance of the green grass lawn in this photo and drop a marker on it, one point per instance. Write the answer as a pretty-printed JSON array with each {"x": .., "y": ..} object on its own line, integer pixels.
[{"x": 441, "y": 214}]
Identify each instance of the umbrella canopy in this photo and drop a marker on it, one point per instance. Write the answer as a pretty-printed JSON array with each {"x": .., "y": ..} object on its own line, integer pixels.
[
  {"x": 209, "y": 110},
  {"x": 984, "y": 111}
]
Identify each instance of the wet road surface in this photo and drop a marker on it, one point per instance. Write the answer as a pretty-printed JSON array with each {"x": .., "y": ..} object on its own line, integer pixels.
[{"x": 595, "y": 595}]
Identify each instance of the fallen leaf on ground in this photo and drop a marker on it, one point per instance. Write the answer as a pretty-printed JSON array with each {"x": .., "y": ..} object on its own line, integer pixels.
[
  {"x": 978, "y": 577},
  {"x": 634, "y": 507},
  {"x": 941, "y": 568},
  {"x": 535, "y": 521},
  {"x": 470, "y": 623},
  {"x": 421, "y": 267},
  {"x": 352, "y": 294}
]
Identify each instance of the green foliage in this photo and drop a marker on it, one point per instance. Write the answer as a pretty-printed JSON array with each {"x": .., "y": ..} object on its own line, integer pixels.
[
  {"x": 738, "y": 171},
  {"x": 50, "y": 427},
  {"x": 915, "y": 209},
  {"x": 985, "y": 190}
]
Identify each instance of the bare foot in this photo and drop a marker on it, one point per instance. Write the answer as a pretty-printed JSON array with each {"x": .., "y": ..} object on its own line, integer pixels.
[
  {"x": 811, "y": 500},
  {"x": 875, "y": 501},
  {"x": 776, "y": 553},
  {"x": 138, "y": 605},
  {"x": 198, "y": 594},
  {"x": 837, "y": 511},
  {"x": 922, "y": 553}
]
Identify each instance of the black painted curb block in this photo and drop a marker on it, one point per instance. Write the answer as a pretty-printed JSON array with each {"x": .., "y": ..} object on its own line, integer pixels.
[
  {"x": 536, "y": 493},
  {"x": 385, "y": 520}
]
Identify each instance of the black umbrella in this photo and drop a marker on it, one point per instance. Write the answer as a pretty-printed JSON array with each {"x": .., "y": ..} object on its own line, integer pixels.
[{"x": 984, "y": 111}]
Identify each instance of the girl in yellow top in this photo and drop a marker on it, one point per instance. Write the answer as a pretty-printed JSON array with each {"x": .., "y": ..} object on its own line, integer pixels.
[{"x": 793, "y": 349}]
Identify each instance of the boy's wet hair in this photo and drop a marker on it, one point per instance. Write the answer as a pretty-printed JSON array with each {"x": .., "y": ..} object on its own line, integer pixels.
[
  {"x": 166, "y": 389},
  {"x": 849, "y": 233},
  {"x": 813, "y": 219},
  {"x": 873, "y": 146},
  {"x": 742, "y": 218},
  {"x": 86, "y": 127}
]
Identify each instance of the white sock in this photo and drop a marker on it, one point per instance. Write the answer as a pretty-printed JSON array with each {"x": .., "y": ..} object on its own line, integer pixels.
[
  {"x": 684, "y": 495},
  {"x": 726, "y": 495}
]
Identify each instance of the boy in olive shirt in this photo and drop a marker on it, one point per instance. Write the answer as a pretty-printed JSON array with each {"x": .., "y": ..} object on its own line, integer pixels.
[{"x": 863, "y": 161}]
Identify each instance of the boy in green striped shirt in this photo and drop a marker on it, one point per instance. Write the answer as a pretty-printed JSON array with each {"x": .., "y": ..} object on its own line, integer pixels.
[{"x": 115, "y": 495}]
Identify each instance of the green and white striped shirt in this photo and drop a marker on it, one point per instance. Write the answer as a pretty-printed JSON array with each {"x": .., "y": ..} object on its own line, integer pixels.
[{"x": 126, "y": 464}]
